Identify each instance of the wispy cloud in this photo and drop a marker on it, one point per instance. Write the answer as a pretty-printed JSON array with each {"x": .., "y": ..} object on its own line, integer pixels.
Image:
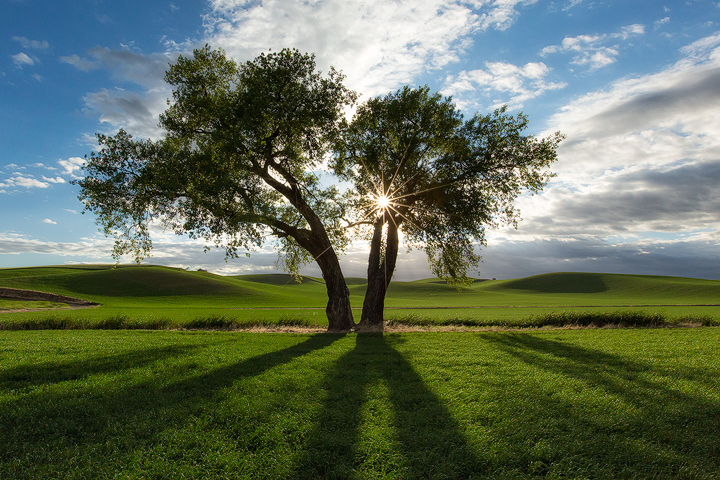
[
  {"x": 593, "y": 50},
  {"x": 35, "y": 44}
]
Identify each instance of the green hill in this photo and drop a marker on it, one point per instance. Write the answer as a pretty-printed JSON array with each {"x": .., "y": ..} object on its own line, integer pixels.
[{"x": 171, "y": 292}]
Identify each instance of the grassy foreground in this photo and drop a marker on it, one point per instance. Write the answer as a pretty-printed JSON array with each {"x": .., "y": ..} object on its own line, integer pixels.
[{"x": 641, "y": 403}]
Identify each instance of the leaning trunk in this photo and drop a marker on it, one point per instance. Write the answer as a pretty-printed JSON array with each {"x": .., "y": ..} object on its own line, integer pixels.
[
  {"x": 339, "y": 313},
  {"x": 379, "y": 275}
]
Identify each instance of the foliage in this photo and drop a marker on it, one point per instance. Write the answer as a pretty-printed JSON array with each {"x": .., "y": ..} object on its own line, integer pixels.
[
  {"x": 236, "y": 163},
  {"x": 445, "y": 179}
]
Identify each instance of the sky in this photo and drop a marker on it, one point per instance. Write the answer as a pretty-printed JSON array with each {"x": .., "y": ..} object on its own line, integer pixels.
[{"x": 633, "y": 84}]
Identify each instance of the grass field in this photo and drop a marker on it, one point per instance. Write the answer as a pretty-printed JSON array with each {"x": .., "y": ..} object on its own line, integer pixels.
[
  {"x": 598, "y": 403},
  {"x": 165, "y": 296},
  {"x": 562, "y": 403}
]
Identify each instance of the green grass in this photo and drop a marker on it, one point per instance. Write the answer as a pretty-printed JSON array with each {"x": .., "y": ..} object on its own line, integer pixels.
[
  {"x": 641, "y": 403},
  {"x": 148, "y": 295}
]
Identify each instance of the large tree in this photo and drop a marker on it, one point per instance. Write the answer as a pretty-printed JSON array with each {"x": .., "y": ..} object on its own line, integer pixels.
[
  {"x": 235, "y": 166},
  {"x": 421, "y": 170}
]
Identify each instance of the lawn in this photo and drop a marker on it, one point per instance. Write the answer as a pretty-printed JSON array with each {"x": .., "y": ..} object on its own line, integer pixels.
[{"x": 591, "y": 403}]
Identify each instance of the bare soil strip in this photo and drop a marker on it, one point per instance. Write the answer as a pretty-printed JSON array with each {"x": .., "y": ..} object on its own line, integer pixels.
[{"x": 35, "y": 296}]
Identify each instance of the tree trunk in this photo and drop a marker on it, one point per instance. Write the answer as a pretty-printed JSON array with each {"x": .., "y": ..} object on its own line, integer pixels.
[
  {"x": 338, "y": 309},
  {"x": 379, "y": 275}
]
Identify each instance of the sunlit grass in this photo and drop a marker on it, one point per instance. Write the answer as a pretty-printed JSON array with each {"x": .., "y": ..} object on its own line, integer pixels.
[{"x": 639, "y": 403}]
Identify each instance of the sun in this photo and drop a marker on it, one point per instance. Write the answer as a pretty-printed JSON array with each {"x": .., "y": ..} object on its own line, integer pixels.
[{"x": 382, "y": 202}]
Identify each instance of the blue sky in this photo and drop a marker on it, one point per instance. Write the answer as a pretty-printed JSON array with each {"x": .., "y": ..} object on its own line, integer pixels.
[{"x": 635, "y": 86}]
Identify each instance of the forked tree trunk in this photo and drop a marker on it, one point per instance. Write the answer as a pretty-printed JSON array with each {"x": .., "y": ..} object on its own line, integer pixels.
[{"x": 379, "y": 275}]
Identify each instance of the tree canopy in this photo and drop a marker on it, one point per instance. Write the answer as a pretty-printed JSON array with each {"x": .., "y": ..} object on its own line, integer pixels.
[
  {"x": 235, "y": 166},
  {"x": 420, "y": 169}
]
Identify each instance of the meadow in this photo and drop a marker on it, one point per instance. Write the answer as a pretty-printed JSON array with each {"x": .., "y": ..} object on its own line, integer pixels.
[
  {"x": 161, "y": 381},
  {"x": 589, "y": 403}
]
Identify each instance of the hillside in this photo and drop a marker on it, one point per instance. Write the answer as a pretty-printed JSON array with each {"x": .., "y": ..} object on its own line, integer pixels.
[{"x": 126, "y": 285}]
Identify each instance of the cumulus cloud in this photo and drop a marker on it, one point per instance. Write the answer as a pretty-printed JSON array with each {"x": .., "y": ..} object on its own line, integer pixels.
[
  {"x": 630, "y": 201},
  {"x": 592, "y": 50},
  {"x": 54, "y": 180},
  {"x": 49, "y": 222},
  {"x": 136, "y": 112},
  {"x": 71, "y": 166},
  {"x": 637, "y": 177},
  {"x": 514, "y": 84},
  {"x": 654, "y": 120},
  {"x": 22, "y": 59},
  {"x": 379, "y": 45},
  {"x": 23, "y": 181},
  {"x": 82, "y": 64}
]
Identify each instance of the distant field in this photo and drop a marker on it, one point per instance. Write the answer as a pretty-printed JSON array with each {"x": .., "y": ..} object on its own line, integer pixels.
[
  {"x": 151, "y": 292},
  {"x": 640, "y": 403}
]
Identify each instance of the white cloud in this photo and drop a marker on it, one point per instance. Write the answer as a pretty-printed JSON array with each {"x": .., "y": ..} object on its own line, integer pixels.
[
  {"x": 23, "y": 181},
  {"x": 661, "y": 22},
  {"x": 54, "y": 180},
  {"x": 22, "y": 59},
  {"x": 641, "y": 158},
  {"x": 502, "y": 13},
  {"x": 71, "y": 166},
  {"x": 592, "y": 50},
  {"x": 16, "y": 244},
  {"x": 515, "y": 84},
  {"x": 49, "y": 222},
  {"x": 379, "y": 45},
  {"x": 36, "y": 44}
]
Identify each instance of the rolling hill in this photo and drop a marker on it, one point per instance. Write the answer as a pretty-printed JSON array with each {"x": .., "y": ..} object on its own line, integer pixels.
[{"x": 149, "y": 285}]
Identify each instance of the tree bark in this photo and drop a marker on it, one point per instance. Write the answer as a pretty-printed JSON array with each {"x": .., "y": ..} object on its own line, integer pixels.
[
  {"x": 379, "y": 274},
  {"x": 316, "y": 241},
  {"x": 338, "y": 309}
]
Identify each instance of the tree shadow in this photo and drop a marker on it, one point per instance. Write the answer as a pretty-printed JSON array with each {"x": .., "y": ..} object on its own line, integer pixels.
[
  {"x": 421, "y": 438},
  {"x": 654, "y": 424},
  {"x": 52, "y": 419}
]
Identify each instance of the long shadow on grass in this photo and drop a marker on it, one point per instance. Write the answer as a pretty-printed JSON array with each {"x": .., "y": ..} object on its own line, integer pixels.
[
  {"x": 379, "y": 417},
  {"x": 48, "y": 429},
  {"x": 629, "y": 418},
  {"x": 75, "y": 369}
]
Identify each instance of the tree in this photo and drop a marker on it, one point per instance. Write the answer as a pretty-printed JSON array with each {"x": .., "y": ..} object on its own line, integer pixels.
[
  {"x": 419, "y": 168},
  {"x": 234, "y": 167}
]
